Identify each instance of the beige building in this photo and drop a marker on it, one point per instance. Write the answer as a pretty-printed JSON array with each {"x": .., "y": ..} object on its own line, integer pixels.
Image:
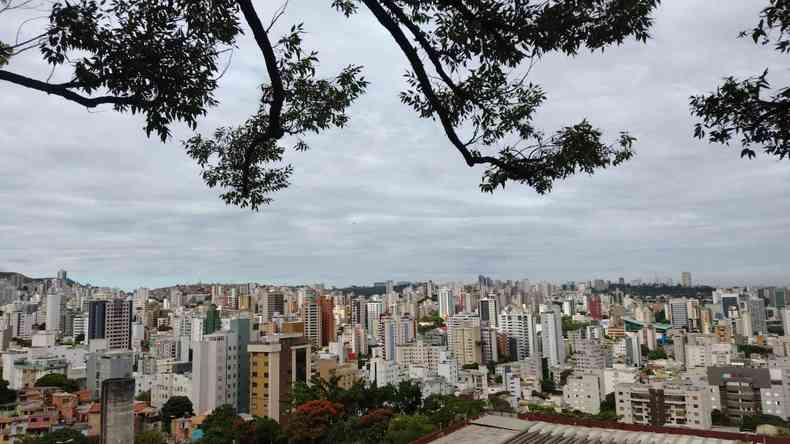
[
  {"x": 664, "y": 405},
  {"x": 584, "y": 391}
]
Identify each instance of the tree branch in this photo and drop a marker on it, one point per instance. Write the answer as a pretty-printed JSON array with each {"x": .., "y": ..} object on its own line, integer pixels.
[
  {"x": 425, "y": 84},
  {"x": 62, "y": 91},
  {"x": 274, "y": 129}
]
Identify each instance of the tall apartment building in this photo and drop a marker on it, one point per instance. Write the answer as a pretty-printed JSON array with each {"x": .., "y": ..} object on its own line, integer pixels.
[
  {"x": 446, "y": 303},
  {"x": 359, "y": 311},
  {"x": 776, "y": 399},
  {"x": 740, "y": 390},
  {"x": 487, "y": 309},
  {"x": 633, "y": 350},
  {"x": 276, "y": 363},
  {"x": 488, "y": 344},
  {"x": 584, "y": 391},
  {"x": 756, "y": 308},
  {"x": 54, "y": 312},
  {"x": 269, "y": 304},
  {"x": 678, "y": 313},
  {"x": 553, "y": 342},
  {"x": 520, "y": 325},
  {"x": 374, "y": 311},
  {"x": 327, "y": 305},
  {"x": 594, "y": 307},
  {"x": 101, "y": 366},
  {"x": 590, "y": 354},
  {"x": 664, "y": 405},
  {"x": 215, "y": 367},
  {"x": 110, "y": 325},
  {"x": 707, "y": 355},
  {"x": 685, "y": 279},
  {"x": 311, "y": 316}
]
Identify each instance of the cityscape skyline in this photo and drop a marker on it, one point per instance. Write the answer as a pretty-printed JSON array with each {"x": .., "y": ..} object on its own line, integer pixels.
[
  {"x": 656, "y": 279},
  {"x": 389, "y": 199}
]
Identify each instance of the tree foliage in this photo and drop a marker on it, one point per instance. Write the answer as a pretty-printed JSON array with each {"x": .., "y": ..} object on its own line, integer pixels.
[
  {"x": 469, "y": 64},
  {"x": 658, "y": 353},
  {"x": 175, "y": 407},
  {"x": 224, "y": 426},
  {"x": 149, "y": 437},
  {"x": 58, "y": 380},
  {"x": 59, "y": 436},
  {"x": 750, "y": 109},
  {"x": 7, "y": 395}
]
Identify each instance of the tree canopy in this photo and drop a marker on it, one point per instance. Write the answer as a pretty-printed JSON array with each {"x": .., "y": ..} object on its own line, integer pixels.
[
  {"x": 749, "y": 109},
  {"x": 175, "y": 407},
  {"x": 58, "y": 380},
  {"x": 469, "y": 64}
]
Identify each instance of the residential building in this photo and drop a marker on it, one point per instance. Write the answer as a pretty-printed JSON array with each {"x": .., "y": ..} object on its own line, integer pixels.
[
  {"x": 215, "y": 371},
  {"x": 553, "y": 342},
  {"x": 101, "y": 366},
  {"x": 110, "y": 325},
  {"x": 583, "y": 391},
  {"x": 740, "y": 390},
  {"x": 664, "y": 405},
  {"x": 276, "y": 363}
]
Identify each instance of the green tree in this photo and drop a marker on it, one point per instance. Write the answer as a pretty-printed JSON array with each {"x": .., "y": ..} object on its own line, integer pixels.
[
  {"x": 7, "y": 395},
  {"x": 176, "y": 407},
  {"x": 58, "y": 380},
  {"x": 144, "y": 396},
  {"x": 468, "y": 72},
  {"x": 658, "y": 353},
  {"x": 408, "y": 397},
  {"x": 60, "y": 436},
  {"x": 405, "y": 429},
  {"x": 748, "y": 109},
  {"x": 149, "y": 437}
]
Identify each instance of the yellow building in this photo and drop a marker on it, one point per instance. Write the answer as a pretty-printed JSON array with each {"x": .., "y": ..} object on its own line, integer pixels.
[{"x": 276, "y": 363}]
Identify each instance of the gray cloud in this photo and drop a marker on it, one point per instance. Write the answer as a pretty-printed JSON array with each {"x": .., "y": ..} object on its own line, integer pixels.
[{"x": 387, "y": 197}]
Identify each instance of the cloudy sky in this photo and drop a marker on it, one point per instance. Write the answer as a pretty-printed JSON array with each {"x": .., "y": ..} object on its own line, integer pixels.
[{"x": 388, "y": 198}]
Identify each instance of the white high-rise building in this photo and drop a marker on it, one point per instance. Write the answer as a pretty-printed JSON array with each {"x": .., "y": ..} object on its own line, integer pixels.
[
  {"x": 215, "y": 369},
  {"x": 375, "y": 310},
  {"x": 553, "y": 342},
  {"x": 786, "y": 320},
  {"x": 311, "y": 316},
  {"x": 54, "y": 310},
  {"x": 633, "y": 350},
  {"x": 446, "y": 303},
  {"x": 520, "y": 325}
]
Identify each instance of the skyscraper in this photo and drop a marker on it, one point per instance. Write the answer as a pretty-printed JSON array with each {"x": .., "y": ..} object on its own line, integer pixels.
[
  {"x": 446, "y": 303},
  {"x": 101, "y": 366},
  {"x": 518, "y": 324},
  {"x": 327, "y": 305},
  {"x": 594, "y": 306},
  {"x": 685, "y": 279},
  {"x": 311, "y": 316},
  {"x": 553, "y": 342},
  {"x": 487, "y": 308},
  {"x": 215, "y": 367},
  {"x": 54, "y": 310},
  {"x": 633, "y": 350},
  {"x": 267, "y": 303},
  {"x": 375, "y": 309},
  {"x": 110, "y": 325},
  {"x": 359, "y": 311},
  {"x": 759, "y": 322},
  {"x": 240, "y": 327},
  {"x": 276, "y": 364},
  {"x": 678, "y": 312}
]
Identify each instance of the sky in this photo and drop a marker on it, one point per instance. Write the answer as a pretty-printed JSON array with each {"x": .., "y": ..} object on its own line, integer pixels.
[{"x": 387, "y": 197}]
